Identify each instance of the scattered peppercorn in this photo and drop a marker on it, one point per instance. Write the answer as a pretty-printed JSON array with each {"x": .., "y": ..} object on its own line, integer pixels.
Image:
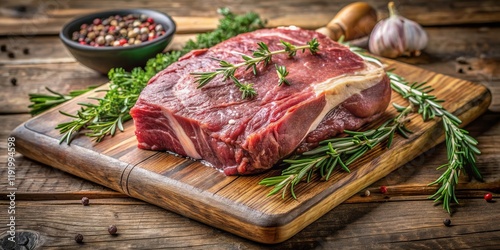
[
  {"x": 112, "y": 230},
  {"x": 11, "y": 54},
  {"x": 3, "y": 48},
  {"x": 21, "y": 8},
  {"x": 26, "y": 51},
  {"x": 383, "y": 189},
  {"x": 447, "y": 222},
  {"x": 13, "y": 81},
  {"x": 79, "y": 238},
  {"x": 367, "y": 193},
  {"x": 488, "y": 197},
  {"x": 131, "y": 29},
  {"x": 85, "y": 201}
]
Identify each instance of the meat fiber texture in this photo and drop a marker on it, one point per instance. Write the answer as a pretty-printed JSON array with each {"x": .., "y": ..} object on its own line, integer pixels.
[{"x": 329, "y": 91}]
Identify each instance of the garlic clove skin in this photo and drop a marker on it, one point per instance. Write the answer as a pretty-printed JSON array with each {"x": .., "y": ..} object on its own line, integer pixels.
[
  {"x": 397, "y": 36},
  {"x": 415, "y": 37},
  {"x": 386, "y": 38}
]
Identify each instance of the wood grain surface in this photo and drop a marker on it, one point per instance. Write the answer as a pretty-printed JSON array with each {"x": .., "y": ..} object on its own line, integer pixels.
[
  {"x": 463, "y": 43},
  {"x": 194, "y": 16},
  {"x": 237, "y": 204}
]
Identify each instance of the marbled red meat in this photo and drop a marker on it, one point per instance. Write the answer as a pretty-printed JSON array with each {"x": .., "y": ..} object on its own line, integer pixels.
[{"x": 330, "y": 91}]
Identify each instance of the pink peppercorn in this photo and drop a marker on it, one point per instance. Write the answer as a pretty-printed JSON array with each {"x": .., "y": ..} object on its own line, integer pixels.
[
  {"x": 488, "y": 197},
  {"x": 123, "y": 41},
  {"x": 383, "y": 189}
]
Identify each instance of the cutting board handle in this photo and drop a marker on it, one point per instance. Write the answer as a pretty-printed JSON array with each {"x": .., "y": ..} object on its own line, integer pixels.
[{"x": 353, "y": 21}]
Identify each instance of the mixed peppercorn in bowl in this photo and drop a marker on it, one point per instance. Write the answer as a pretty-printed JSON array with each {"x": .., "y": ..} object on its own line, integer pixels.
[{"x": 125, "y": 38}]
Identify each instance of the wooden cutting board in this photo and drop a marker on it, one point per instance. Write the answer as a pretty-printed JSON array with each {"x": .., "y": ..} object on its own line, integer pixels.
[{"x": 239, "y": 204}]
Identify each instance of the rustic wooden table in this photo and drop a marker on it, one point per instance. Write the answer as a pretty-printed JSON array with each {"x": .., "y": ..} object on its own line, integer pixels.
[{"x": 464, "y": 42}]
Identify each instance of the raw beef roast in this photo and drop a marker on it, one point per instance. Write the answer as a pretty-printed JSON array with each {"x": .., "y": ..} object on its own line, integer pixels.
[{"x": 330, "y": 91}]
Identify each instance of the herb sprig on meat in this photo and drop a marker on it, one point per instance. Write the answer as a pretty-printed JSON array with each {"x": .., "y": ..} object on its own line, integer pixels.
[{"x": 261, "y": 55}]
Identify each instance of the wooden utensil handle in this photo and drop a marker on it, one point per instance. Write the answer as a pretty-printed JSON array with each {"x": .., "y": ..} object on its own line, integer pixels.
[{"x": 353, "y": 21}]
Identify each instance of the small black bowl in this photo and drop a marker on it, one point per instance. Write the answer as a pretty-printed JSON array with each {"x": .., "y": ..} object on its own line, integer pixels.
[{"x": 104, "y": 58}]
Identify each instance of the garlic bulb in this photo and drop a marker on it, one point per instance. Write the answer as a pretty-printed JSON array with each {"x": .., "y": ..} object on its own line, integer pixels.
[{"x": 397, "y": 36}]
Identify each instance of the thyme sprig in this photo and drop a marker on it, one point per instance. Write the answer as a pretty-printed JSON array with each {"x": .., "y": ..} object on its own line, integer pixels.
[
  {"x": 461, "y": 147},
  {"x": 247, "y": 90},
  {"x": 106, "y": 117},
  {"x": 262, "y": 55},
  {"x": 282, "y": 74},
  {"x": 335, "y": 152}
]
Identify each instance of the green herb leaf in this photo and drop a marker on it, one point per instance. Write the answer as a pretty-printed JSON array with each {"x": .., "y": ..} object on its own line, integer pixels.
[
  {"x": 261, "y": 55},
  {"x": 282, "y": 73}
]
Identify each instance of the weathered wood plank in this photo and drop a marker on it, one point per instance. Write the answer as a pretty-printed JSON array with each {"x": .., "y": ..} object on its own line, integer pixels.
[
  {"x": 37, "y": 181},
  {"x": 72, "y": 76},
  {"x": 47, "y": 65},
  {"x": 485, "y": 71},
  {"x": 41, "y": 49},
  {"x": 405, "y": 225},
  {"x": 35, "y": 78},
  {"x": 489, "y": 120},
  {"x": 395, "y": 194},
  {"x": 405, "y": 220},
  {"x": 197, "y": 15},
  {"x": 450, "y": 42},
  {"x": 446, "y": 42},
  {"x": 41, "y": 182},
  {"x": 479, "y": 46},
  {"x": 104, "y": 163},
  {"x": 50, "y": 50}
]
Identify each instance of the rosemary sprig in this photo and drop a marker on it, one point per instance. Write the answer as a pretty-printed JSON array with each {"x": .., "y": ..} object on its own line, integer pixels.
[
  {"x": 336, "y": 152},
  {"x": 419, "y": 94},
  {"x": 261, "y": 55},
  {"x": 107, "y": 116},
  {"x": 461, "y": 151},
  {"x": 43, "y": 102},
  {"x": 461, "y": 148}
]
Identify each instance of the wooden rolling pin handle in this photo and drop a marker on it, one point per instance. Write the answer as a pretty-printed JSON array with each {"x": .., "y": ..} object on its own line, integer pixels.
[{"x": 353, "y": 21}]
